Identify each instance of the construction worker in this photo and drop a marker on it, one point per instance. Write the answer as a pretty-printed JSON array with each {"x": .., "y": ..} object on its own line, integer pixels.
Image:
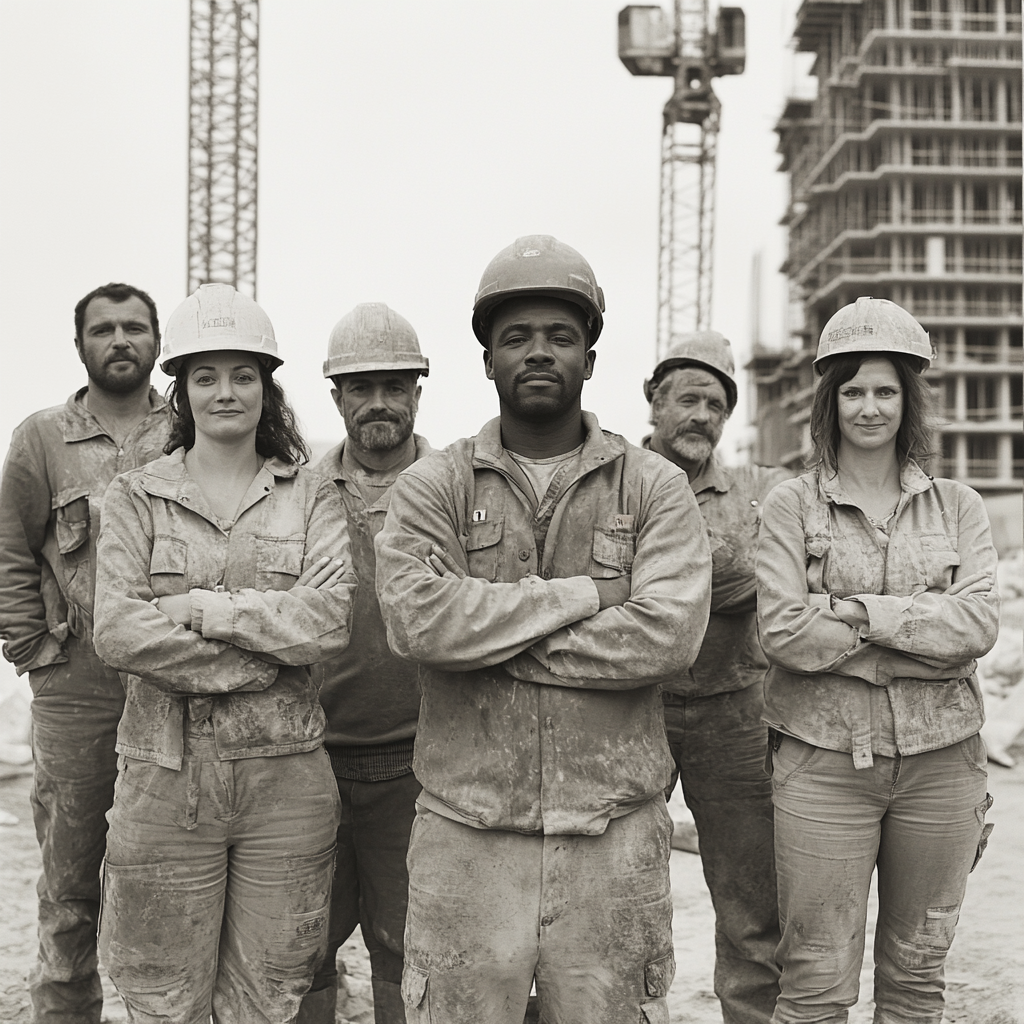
[
  {"x": 57, "y": 470},
  {"x": 545, "y": 575},
  {"x": 372, "y": 698},
  {"x": 713, "y": 711},
  {"x": 224, "y": 574}
]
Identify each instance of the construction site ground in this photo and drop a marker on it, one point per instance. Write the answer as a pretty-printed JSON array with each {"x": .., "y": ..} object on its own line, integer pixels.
[{"x": 984, "y": 973}]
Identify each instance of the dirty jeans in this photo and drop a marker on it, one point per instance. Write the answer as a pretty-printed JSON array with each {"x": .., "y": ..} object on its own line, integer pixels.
[
  {"x": 590, "y": 917},
  {"x": 216, "y": 885},
  {"x": 920, "y": 820},
  {"x": 75, "y": 710},
  {"x": 719, "y": 745},
  {"x": 371, "y": 885}
]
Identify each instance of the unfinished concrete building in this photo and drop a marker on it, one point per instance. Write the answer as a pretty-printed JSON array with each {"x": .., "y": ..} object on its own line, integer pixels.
[{"x": 905, "y": 179}]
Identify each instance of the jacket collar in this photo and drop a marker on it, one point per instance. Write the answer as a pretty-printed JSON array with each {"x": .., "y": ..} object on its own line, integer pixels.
[
  {"x": 167, "y": 478},
  {"x": 78, "y": 424},
  {"x": 913, "y": 480},
  {"x": 598, "y": 446},
  {"x": 332, "y": 465}
]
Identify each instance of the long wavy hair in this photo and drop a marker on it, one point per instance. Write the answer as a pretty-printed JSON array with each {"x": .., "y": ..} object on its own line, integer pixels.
[
  {"x": 914, "y": 437},
  {"x": 277, "y": 435}
]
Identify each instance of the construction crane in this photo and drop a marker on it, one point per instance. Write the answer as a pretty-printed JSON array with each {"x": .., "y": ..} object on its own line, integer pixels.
[
  {"x": 222, "y": 142},
  {"x": 683, "y": 46}
]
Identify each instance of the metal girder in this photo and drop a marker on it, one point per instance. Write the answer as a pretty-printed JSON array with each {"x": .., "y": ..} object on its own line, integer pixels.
[{"x": 223, "y": 136}]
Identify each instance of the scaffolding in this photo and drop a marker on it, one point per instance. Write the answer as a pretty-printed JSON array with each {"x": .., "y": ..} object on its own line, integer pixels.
[{"x": 223, "y": 136}]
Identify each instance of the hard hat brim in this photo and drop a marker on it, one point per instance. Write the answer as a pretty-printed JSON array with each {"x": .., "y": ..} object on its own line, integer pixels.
[
  {"x": 731, "y": 390},
  {"x": 171, "y": 364},
  {"x": 338, "y": 368},
  {"x": 920, "y": 362},
  {"x": 486, "y": 305}
]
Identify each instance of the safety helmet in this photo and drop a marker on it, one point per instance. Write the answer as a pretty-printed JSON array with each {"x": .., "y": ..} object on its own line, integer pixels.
[
  {"x": 707, "y": 349},
  {"x": 874, "y": 325},
  {"x": 373, "y": 337},
  {"x": 538, "y": 264},
  {"x": 216, "y": 317}
]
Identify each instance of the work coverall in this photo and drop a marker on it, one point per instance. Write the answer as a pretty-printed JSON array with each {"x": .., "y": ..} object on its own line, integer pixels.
[
  {"x": 878, "y": 761},
  {"x": 58, "y": 467},
  {"x": 718, "y": 741},
  {"x": 372, "y": 701},
  {"x": 541, "y": 844},
  {"x": 221, "y": 843}
]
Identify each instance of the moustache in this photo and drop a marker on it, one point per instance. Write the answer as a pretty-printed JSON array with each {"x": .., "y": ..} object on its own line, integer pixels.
[
  {"x": 691, "y": 432},
  {"x": 123, "y": 358},
  {"x": 379, "y": 417}
]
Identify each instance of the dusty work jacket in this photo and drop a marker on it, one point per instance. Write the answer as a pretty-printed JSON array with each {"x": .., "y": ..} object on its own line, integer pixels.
[
  {"x": 540, "y": 713},
  {"x": 910, "y": 672},
  {"x": 244, "y": 662},
  {"x": 730, "y": 499},
  {"x": 57, "y": 470},
  {"x": 370, "y": 696}
]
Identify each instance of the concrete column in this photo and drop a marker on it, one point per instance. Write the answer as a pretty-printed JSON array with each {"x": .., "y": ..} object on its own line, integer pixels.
[{"x": 935, "y": 255}]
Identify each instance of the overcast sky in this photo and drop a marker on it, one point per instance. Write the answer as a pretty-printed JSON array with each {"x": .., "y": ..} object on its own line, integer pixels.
[{"x": 402, "y": 145}]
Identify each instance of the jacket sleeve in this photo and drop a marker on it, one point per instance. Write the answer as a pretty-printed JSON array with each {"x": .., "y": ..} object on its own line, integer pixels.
[
  {"x": 947, "y": 629},
  {"x": 458, "y": 624},
  {"x": 133, "y": 635},
  {"x": 301, "y": 626},
  {"x": 803, "y": 637},
  {"x": 657, "y": 633},
  {"x": 24, "y": 514}
]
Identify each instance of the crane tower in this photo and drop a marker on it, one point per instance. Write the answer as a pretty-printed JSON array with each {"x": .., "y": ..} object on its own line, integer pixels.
[
  {"x": 685, "y": 48},
  {"x": 222, "y": 142}
]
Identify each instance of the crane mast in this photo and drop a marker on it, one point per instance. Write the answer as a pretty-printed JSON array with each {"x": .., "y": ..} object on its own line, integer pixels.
[
  {"x": 686, "y": 49},
  {"x": 222, "y": 142}
]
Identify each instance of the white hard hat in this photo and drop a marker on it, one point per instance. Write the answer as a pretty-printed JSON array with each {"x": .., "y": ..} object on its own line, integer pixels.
[
  {"x": 373, "y": 337},
  {"x": 707, "y": 349},
  {"x": 874, "y": 325},
  {"x": 216, "y": 317}
]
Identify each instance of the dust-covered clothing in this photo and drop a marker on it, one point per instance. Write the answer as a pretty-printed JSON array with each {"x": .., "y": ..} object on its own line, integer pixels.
[
  {"x": 57, "y": 470},
  {"x": 540, "y": 714},
  {"x": 877, "y": 759},
  {"x": 222, "y": 778}
]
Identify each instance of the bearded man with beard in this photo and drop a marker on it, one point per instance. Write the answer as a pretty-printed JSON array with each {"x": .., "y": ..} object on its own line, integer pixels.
[
  {"x": 57, "y": 470},
  {"x": 371, "y": 697},
  {"x": 713, "y": 711}
]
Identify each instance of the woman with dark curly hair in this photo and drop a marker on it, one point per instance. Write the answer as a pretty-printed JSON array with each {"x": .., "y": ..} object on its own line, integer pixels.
[
  {"x": 222, "y": 576},
  {"x": 875, "y": 596}
]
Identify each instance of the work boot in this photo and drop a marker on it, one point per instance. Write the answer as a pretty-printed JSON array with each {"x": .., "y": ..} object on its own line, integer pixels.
[
  {"x": 388, "y": 1005},
  {"x": 319, "y": 1007}
]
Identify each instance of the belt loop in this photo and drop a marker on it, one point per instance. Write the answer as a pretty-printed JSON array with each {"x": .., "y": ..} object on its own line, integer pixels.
[{"x": 193, "y": 769}]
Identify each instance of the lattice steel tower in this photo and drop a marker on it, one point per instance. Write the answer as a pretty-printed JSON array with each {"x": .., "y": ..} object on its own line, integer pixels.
[
  {"x": 222, "y": 142},
  {"x": 692, "y": 54}
]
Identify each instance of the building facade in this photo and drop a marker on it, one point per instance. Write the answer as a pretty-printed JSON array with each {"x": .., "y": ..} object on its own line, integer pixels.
[{"x": 905, "y": 176}]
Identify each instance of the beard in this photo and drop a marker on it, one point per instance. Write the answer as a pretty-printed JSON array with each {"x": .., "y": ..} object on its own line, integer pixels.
[
  {"x": 381, "y": 433},
  {"x": 129, "y": 374},
  {"x": 537, "y": 407},
  {"x": 692, "y": 446}
]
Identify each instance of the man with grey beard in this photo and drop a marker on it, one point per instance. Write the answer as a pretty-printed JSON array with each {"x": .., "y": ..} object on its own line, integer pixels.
[
  {"x": 371, "y": 697},
  {"x": 713, "y": 712}
]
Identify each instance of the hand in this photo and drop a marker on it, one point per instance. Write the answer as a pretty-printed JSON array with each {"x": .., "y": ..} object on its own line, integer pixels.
[
  {"x": 322, "y": 574},
  {"x": 443, "y": 564},
  {"x": 853, "y": 613},
  {"x": 614, "y": 592},
  {"x": 976, "y": 583},
  {"x": 177, "y": 607}
]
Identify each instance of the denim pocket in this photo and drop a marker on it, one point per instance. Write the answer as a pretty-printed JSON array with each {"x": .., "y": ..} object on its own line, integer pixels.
[
  {"x": 986, "y": 830},
  {"x": 415, "y": 981},
  {"x": 974, "y": 753},
  {"x": 792, "y": 757}
]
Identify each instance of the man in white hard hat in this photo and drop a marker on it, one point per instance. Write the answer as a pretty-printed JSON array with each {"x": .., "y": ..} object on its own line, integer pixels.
[
  {"x": 546, "y": 576},
  {"x": 58, "y": 467},
  {"x": 713, "y": 711},
  {"x": 371, "y": 697}
]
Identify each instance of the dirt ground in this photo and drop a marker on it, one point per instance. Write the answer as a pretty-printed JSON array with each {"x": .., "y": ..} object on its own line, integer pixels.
[{"x": 984, "y": 973}]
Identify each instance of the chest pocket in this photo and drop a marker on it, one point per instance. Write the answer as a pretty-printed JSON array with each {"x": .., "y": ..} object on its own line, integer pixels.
[
  {"x": 482, "y": 548},
  {"x": 72, "y": 523},
  {"x": 938, "y": 561},
  {"x": 168, "y": 566},
  {"x": 278, "y": 562},
  {"x": 613, "y": 552}
]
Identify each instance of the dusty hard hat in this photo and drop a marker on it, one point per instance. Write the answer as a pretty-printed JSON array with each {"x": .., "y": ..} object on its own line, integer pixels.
[
  {"x": 373, "y": 337},
  {"x": 707, "y": 349},
  {"x": 874, "y": 325},
  {"x": 538, "y": 265},
  {"x": 216, "y": 317}
]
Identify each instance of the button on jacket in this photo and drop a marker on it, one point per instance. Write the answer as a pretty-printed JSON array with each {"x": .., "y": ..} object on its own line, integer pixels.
[
  {"x": 920, "y": 643},
  {"x": 244, "y": 663},
  {"x": 539, "y": 713},
  {"x": 58, "y": 467}
]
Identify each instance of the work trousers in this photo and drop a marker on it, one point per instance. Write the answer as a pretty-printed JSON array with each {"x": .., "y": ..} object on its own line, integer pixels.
[
  {"x": 371, "y": 888},
  {"x": 719, "y": 745},
  {"x": 216, "y": 885},
  {"x": 588, "y": 917},
  {"x": 75, "y": 710},
  {"x": 920, "y": 819}
]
